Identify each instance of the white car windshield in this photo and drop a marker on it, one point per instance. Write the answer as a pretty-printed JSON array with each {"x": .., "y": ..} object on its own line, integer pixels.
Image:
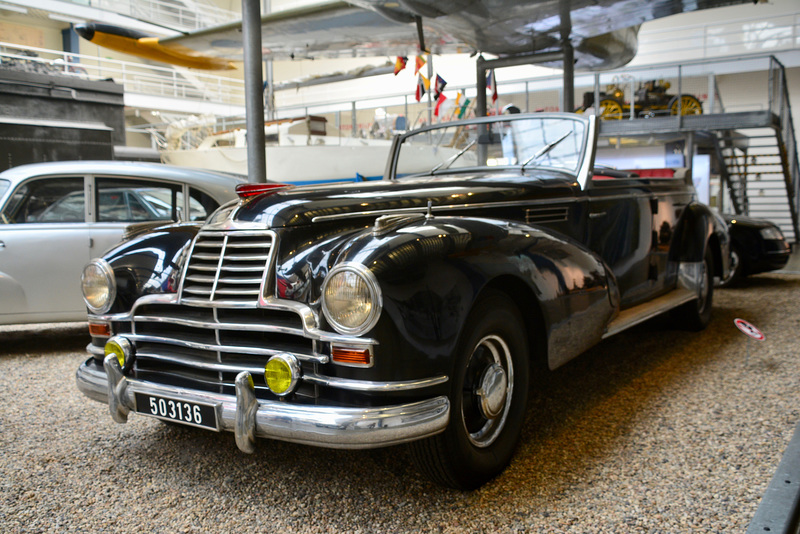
[{"x": 554, "y": 142}]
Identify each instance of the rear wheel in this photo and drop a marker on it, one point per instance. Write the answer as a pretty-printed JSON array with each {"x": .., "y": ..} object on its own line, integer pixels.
[
  {"x": 686, "y": 105},
  {"x": 737, "y": 268},
  {"x": 488, "y": 397},
  {"x": 696, "y": 315}
]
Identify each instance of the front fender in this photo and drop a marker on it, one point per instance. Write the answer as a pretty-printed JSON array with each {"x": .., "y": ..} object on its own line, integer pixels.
[
  {"x": 149, "y": 263},
  {"x": 431, "y": 271}
]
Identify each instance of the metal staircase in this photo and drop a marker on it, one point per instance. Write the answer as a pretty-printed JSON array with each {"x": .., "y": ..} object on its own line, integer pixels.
[
  {"x": 760, "y": 166},
  {"x": 756, "y": 152}
]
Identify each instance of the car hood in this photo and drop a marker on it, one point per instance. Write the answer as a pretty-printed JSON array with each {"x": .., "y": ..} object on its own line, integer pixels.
[
  {"x": 315, "y": 203},
  {"x": 744, "y": 220}
]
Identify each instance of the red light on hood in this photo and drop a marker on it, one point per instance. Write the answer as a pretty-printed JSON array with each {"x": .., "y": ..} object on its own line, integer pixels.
[{"x": 251, "y": 190}]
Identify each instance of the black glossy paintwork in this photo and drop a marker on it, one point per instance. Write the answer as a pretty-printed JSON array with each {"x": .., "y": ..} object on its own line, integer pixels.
[
  {"x": 149, "y": 263},
  {"x": 757, "y": 254},
  {"x": 302, "y": 205},
  {"x": 571, "y": 255},
  {"x": 431, "y": 271}
]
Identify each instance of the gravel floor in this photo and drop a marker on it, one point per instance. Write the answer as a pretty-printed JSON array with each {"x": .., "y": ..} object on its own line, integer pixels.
[{"x": 655, "y": 430}]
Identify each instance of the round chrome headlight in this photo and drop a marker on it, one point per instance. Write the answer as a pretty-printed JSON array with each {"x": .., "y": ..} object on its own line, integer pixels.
[
  {"x": 351, "y": 298},
  {"x": 99, "y": 286}
]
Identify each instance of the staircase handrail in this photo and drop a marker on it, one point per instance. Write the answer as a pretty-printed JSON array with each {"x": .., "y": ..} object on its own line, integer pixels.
[{"x": 781, "y": 106}]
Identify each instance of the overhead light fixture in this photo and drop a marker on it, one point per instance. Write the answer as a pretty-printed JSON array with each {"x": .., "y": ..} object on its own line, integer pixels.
[
  {"x": 15, "y": 9},
  {"x": 65, "y": 18}
]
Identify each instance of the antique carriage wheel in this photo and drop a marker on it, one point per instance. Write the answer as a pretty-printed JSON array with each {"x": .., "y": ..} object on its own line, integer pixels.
[
  {"x": 489, "y": 392},
  {"x": 610, "y": 109},
  {"x": 689, "y": 105}
]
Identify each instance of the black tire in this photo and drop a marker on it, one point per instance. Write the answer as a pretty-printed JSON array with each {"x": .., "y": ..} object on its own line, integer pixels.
[
  {"x": 483, "y": 431},
  {"x": 696, "y": 315},
  {"x": 737, "y": 268}
]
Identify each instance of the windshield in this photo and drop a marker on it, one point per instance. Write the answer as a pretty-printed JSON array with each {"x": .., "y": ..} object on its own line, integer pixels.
[{"x": 525, "y": 142}]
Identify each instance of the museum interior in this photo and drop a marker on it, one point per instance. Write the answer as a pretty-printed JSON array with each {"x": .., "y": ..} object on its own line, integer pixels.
[{"x": 653, "y": 428}]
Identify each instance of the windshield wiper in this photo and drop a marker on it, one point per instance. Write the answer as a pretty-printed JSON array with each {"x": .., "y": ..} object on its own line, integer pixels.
[
  {"x": 545, "y": 150},
  {"x": 446, "y": 164}
]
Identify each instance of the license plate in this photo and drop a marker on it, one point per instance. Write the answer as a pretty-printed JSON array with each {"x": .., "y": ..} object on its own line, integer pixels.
[{"x": 188, "y": 413}]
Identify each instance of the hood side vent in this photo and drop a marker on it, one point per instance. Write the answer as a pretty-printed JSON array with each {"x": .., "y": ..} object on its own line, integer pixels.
[{"x": 546, "y": 215}]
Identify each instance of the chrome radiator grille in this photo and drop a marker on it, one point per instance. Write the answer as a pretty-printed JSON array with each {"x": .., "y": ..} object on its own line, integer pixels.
[
  {"x": 206, "y": 347},
  {"x": 227, "y": 267}
]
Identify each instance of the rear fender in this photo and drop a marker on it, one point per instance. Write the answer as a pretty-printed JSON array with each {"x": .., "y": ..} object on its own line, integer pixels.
[{"x": 700, "y": 229}]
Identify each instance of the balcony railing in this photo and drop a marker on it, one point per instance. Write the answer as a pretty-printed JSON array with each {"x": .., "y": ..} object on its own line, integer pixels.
[
  {"x": 136, "y": 78},
  {"x": 178, "y": 14}
]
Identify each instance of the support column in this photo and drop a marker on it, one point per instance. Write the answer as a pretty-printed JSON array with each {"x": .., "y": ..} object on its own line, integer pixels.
[
  {"x": 480, "y": 85},
  {"x": 567, "y": 50},
  {"x": 254, "y": 91}
]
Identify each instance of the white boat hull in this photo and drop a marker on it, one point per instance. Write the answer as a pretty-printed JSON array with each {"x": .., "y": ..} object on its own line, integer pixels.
[{"x": 292, "y": 164}]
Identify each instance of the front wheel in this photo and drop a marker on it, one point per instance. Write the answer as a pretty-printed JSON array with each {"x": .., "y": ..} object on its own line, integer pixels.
[{"x": 488, "y": 398}]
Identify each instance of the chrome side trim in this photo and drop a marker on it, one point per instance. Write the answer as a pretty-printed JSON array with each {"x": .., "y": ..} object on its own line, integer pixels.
[
  {"x": 324, "y": 426},
  {"x": 648, "y": 310},
  {"x": 448, "y": 207},
  {"x": 366, "y": 385}
]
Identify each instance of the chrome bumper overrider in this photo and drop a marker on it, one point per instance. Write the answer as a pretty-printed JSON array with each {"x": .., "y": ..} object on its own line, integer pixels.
[{"x": 249, "y": 418}]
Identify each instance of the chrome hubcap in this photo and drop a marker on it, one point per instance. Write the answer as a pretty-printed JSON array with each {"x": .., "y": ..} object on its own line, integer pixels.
[
  {"x": 487, "y": 390},
  {"x": 492, "y": 391}
]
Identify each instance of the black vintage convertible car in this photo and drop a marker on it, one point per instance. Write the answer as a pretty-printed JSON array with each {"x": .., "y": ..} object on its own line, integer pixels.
[{"x": 414, "y": 309}]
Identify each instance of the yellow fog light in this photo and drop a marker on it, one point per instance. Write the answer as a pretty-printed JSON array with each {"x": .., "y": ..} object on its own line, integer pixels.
[
  {"x": 121, "y": 348},
  {"x": 281, "y": 374}
]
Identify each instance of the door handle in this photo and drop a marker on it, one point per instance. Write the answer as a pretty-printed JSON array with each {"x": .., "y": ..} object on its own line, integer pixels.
[
  {"x": 597, "y": 215},
  {"x": 2, "y": 245}
]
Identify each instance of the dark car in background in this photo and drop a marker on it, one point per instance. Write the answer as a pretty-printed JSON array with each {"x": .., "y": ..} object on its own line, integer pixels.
[
  {"x": 757, "y": 246},
  {"x": 415, "y": 309}
]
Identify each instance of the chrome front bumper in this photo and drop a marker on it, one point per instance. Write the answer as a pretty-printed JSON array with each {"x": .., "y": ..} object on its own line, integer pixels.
[{"x": 250, "y": 418}]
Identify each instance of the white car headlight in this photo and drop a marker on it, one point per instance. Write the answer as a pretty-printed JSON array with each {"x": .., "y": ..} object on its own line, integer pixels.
[
  {"x": 771, "y": 232},
  {"x": 351, "y": 298},
  {"x": 99, "y": 286}
]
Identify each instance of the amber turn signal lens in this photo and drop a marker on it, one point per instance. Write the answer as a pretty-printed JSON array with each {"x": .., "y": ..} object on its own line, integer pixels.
[
  {"x": 100, "y": 329},
  {"x": 351, "y": 356}
]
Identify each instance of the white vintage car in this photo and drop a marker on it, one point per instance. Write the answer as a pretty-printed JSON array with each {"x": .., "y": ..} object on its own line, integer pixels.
[{"x": 55, "y": 217}]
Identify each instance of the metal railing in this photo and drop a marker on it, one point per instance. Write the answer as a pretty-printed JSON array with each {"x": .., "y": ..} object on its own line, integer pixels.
[
  {"x": 781, "y": 107},
  {"x": 136, "y": 78},
  {"x": 727, "y": 38},
  {"x": 179, "y": 14}
]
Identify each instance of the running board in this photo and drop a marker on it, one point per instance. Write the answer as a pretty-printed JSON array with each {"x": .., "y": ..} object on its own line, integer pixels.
[{"x": 648, "y": 310}]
